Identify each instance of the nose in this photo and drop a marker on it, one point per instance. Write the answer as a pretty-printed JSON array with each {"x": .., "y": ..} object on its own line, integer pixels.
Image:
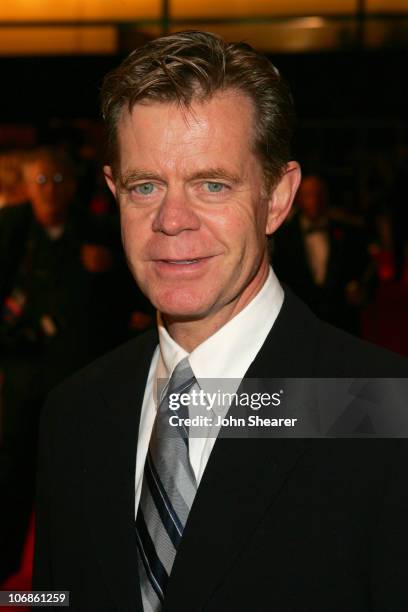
[
  {"x": 49, "y": 189},
  {"x": 175, "y": 215}
]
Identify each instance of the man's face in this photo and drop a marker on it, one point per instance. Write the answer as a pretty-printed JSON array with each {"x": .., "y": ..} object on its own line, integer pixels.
[
  {"x": 193, "y": 212},
  {"x": 49, "y": 190}
]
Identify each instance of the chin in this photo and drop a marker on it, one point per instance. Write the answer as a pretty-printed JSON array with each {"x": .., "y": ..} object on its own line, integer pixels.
[{"x": 182, "y": 305}]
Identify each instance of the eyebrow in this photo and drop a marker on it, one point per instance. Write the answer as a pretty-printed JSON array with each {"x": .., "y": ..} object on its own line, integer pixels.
[
  {"x": 138, "y": 175},
  {"x": 216, "y": 173},
  {"x": 207, "y": 173}
]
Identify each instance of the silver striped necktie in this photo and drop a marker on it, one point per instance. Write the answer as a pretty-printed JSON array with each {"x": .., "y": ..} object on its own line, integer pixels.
[{"x": 168, "y": 490}]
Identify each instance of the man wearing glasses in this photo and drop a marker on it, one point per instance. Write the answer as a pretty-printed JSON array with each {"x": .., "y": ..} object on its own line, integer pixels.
[{"x": 49, "y": 275}]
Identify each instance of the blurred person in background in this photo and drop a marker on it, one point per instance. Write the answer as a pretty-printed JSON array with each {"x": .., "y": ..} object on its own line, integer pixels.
[
  {"x": 376, "y": 207},
  {"x": 399, "y": 208},
  {"x": 60, "y": 274},
  {"x": 12, "y": 184},
  {"x": 324, "y": 261}
]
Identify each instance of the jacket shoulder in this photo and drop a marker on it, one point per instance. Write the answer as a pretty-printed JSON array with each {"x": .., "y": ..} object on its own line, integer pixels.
[
  {"x": 119, "y": 364},
  {"x": 341, "y": 354},
  {"x": 14, "y": 216}
]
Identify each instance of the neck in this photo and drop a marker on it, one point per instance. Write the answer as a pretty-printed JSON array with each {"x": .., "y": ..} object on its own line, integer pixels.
[{"x": 191, "y": 333}]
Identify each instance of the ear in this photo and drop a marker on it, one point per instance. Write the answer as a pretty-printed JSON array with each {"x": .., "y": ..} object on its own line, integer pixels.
[
  {"x": 108, "y": 174},
  {"x": 281, "y": 199}
]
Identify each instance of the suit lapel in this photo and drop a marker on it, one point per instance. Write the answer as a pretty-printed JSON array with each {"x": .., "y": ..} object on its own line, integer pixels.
[
  {"x": 109, "y": 481},
  {"x": 243, "y": 476}
]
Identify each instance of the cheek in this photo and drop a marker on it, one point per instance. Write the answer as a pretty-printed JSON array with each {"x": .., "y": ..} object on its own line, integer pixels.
[
  {"x": 133, "y": 240},
  {"x": 34, "y": 193},
  {"x": 229, "y": 225},
  {"x": 243, "y": 229},
  {"x": 134, "y": 224}
]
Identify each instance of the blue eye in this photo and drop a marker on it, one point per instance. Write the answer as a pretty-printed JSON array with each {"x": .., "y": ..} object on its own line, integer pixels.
[
  {"x": 145, "y": 188},
  {"x": 214, "y": 187}
]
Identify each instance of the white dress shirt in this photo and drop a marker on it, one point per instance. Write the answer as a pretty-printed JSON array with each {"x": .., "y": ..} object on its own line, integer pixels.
[{"x": 226, "y": 354}]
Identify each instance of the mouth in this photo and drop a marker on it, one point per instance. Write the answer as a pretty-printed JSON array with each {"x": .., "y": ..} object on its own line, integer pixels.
[
  {"x": 182, "y": 266},
  {"x": 184, "y": 262}
]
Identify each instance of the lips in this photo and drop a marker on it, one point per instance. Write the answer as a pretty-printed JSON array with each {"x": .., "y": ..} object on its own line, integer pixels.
[
  {"x": 181, "y": 262},
  {"x": 182, "y": 267}
]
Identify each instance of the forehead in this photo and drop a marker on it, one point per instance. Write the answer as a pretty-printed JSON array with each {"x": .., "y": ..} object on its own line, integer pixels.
[{"x": 171, "y": 135}]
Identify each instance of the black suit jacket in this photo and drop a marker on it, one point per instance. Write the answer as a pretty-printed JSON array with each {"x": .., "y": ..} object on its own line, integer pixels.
[{"x": 281, "y": 525}]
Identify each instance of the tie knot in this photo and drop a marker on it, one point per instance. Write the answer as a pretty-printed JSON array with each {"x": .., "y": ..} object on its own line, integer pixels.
[{"x": 182, "y": 378}]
